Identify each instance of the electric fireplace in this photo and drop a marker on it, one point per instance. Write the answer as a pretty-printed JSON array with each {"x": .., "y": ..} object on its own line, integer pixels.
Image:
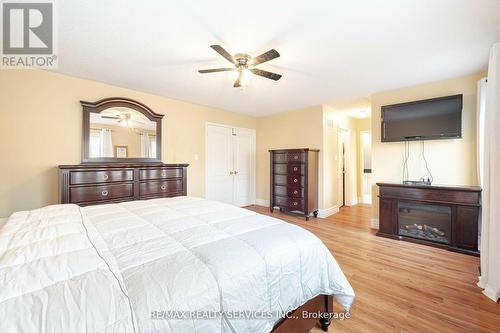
[
  {"x": 436, "y": 215},
  {"x": 424, "y": 221}
]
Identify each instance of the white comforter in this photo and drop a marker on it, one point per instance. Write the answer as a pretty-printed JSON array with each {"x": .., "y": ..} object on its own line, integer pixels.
[{"x": 122, "y": 267}]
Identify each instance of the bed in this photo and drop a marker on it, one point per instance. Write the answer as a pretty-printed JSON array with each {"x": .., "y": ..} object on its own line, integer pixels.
[{"x": 179, "y": 264}]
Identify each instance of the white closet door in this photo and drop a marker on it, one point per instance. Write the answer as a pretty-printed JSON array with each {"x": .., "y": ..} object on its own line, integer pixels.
[
  {"x": 219, "y": 164},
  {"x": 244, "y": 161}
]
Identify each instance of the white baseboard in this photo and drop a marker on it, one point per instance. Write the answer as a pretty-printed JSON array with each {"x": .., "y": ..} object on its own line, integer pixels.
[
  {"x": 328, "y": 211},
  {"x": 366, "y": 199},
  {"x": 494, "y": 295},
  {"x": 480, "y": 283},
  {"x": 374, "y": 224},
  {"x": 262, "y": 202},
  {"x": 352, "y": 202}
]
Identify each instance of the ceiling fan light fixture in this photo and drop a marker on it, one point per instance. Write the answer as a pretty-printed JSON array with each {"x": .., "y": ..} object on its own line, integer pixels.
[
  {"x": 242, "y": 74},
  {"x": 125, "y": 120},
  {"x": 124, "y": 123},
  {"x": 245, "y": 76},
  {"x": 233, "y": 75}
]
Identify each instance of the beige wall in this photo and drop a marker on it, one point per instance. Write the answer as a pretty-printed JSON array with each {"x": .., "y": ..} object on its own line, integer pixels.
[
  {"x": 338, "y": 118},
  {"x": 40, "y": 128},
  {"x": 451, "y": 162},
  {"x": 295, "y": 129},
  {"x": 329, "y": 185},
  {"x": 362, "y": 125}
]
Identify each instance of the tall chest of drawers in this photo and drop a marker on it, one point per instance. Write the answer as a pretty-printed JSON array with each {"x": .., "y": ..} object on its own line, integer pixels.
[
  {"x": 294, "y": 180},
  {"x": 92, "y": 184}
]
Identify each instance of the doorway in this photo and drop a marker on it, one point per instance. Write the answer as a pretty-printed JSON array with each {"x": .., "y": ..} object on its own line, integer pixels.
[
  {"x": 343, "y": 166},
  {"x": 366, "y": 166}
]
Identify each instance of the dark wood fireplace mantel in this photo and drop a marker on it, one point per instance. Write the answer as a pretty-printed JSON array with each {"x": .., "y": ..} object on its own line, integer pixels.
[{"x": 462, "y": 203}]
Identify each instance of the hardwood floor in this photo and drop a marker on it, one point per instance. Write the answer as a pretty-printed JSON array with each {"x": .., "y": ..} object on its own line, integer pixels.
[{"x": 400, "y": 286}]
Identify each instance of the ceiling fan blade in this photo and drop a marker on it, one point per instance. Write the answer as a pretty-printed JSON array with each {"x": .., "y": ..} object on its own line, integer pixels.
[
  {"x": 109, "y": 117},
  {"x": 264, "y": 57},
  {"x": 266, "y": 74},
  {"x": 215, "y": 70},
  {"x": 220, "y": 50}
]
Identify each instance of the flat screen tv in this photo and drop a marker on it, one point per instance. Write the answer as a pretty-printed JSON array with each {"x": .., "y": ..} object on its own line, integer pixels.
[{"x": 430, "y": 119}]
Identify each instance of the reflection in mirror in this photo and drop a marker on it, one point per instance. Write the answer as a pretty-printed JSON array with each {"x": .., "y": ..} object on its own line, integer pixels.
[{"x": 121, "y": 132}]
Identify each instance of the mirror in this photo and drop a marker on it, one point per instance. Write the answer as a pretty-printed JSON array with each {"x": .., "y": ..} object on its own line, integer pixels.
[
  {"x": 120, "y": 130},
  {"x": 121, "y": 133}
]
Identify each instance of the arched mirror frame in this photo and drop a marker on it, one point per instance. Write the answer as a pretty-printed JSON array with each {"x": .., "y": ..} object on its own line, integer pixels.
[{"x": 103, "y": 104}]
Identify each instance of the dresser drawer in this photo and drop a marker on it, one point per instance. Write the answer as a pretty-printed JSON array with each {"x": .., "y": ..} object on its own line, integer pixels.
[
  {"x": 291, "y": 203},
  {"x": 146, "y": 174},
  {"x": 104, "y": 176},
  {"x": 289, "y": 157},
  {"x": 294, "y": 192},
  {"x": 167, "y": 186},
  {"x": 100, "y": 192},
  {"x": 289, "y": 168},
  {"x": 295, "y": 181}
]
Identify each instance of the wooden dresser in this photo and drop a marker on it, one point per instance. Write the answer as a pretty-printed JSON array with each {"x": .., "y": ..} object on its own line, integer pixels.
[
  {"x": 92, "y": 184},
  {"x": 294, "y": 180}
]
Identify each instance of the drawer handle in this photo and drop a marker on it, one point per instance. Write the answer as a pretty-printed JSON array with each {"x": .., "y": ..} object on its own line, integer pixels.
[
  {"x": 295, "y": 192},
  {"x": 104, "y": 193},
  {"x": 295, "y": 203},
  {"x": 295, "y": 157},
  {"x": 295, "y": 169},
  {"x": 163, "y": 187},
  {"x": 164, "y": 174},
  {"x": 295, "y": 180},
  {"x": 105, "y": 176}
]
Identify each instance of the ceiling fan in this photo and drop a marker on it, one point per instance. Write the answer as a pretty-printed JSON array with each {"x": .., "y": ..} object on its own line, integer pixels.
[
  {"x": 244, "y": 65},
  {"x": 125, "y": 119}
]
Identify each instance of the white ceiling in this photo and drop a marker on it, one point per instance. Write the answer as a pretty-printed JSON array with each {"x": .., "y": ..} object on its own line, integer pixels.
[{"x": 331, "y": 50}]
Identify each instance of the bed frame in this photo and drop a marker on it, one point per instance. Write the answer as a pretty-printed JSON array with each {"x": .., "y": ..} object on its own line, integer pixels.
[{"x": 295, "y": 321}]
